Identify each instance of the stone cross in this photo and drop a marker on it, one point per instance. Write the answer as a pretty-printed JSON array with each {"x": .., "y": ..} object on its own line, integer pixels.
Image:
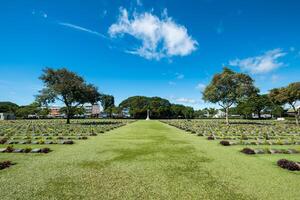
[{"x": 148, "y": 115}]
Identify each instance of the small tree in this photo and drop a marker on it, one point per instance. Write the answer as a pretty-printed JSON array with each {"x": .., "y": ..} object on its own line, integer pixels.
[
  {"x": 287, "y": 95},
  {"x": 67, "y": 87},
  {"x": 188, "y": 112},
  {"x": 108, "y": 103},
  {"x": 31, "y": 109},
  {"x": 256, "y": 103},
  {"x": 228, "y": 88}
]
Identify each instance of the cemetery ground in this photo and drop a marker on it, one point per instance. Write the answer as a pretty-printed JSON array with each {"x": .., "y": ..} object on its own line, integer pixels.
[{"x": 147, "y": 160}]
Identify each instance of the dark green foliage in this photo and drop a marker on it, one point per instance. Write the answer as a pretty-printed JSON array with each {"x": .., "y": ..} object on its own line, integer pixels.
[
  {"x": 256, "y": 103},
  {"x": 8, "y": 107},
  {"x": 67, "y": 87},
  {"x": 108, "y": 103},
  {"x": 27, "y": 150},
  {"x": 159, "y": 108},
  {"x": 73, "y": 111},
  {"x": 9, "y": 149},
  {"x": 227, "y": 88},
  {"x": 138, "y": 105},
  {"x": 287, "y": 95},
  {"x": 31, "y": 109}
]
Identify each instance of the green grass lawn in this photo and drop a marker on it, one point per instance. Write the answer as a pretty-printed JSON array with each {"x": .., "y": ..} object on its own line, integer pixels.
[{"x": 147, "y": 160}]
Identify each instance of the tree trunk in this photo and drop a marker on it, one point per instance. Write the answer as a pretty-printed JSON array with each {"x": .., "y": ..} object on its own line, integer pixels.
[
  {"x": 296, "y": 114},
  {"x": 258, "y": 114},
  {"x": 227, "y": 115},
  {"x": 68, "y": 115},
  {"x": 68, "y": 119}
]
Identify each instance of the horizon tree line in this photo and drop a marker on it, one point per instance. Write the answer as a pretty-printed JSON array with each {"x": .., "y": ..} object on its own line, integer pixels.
[{"x": 227, "y": 89}]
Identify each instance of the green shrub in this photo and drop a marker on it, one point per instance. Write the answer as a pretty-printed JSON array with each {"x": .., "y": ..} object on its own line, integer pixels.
[{"x": 9, "y": 149}]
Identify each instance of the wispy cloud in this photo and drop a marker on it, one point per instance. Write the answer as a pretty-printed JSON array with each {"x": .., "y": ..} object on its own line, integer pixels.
[
  {"x": 139, "y": 2},
  {"x": 260, "y": 64},
  {"x": 80, "y": 28},
  {"x": 179, "y": 76},
  {"x": 161, "y": 38},
  {"x": 187, "y": 100},
  {"x": 200, "y": 86},
  {"x": 40, "y": 13}
]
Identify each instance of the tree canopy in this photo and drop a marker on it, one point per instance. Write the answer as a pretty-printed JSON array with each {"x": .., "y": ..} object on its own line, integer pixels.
[
  {"x": 67, "y": 87},
  {"x": 256, "y": 103},
  {"x": 159, "y": 108},
  {"x": 107, "y": 103},
  {"x": 287, "y": 95},
  {"x": 227, "y": 88},
  {"x": 8, "y": 107},
  {"x": 32, "y": 109}
]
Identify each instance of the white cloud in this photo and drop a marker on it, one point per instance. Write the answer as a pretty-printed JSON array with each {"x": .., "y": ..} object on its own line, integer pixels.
[
  {"x": 79, "y": 28},
  {"x": 186, "y": 100},
  {"x": 260, "y": 64},
  {"x": 160, "y": 37},
  {"x": 200, "y": 86}
]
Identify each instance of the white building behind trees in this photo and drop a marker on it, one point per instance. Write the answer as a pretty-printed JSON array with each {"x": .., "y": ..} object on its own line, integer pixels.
[{"x": 7, "y": 116}]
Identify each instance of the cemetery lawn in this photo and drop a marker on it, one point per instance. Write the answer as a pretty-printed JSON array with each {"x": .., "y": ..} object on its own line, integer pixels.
[{"x": 147, "y": 160}]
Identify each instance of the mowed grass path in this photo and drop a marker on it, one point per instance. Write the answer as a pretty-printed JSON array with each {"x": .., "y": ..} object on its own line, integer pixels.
[{"x": 146, "y": 160}]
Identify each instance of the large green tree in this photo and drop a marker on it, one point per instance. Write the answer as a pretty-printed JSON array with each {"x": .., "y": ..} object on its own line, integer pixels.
[
  {"x": 107, "y": 103},
  {"x": 256, "y": 103},
  {"x": 188, "y": 112},
  {"x": 8, "y": 107},
  {"x": 138, "y": 106},
  {"x": 287, "y": 95},
  {"x": 67, "y": 87},
  {"x": 227, "y": 88},
  {"x": 32, "y": 109},
  {"x": 177, "y": 111}
]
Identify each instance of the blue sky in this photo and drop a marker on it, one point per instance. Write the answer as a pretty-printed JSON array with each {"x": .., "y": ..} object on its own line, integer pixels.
[{"x": 166, "y": 48}]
